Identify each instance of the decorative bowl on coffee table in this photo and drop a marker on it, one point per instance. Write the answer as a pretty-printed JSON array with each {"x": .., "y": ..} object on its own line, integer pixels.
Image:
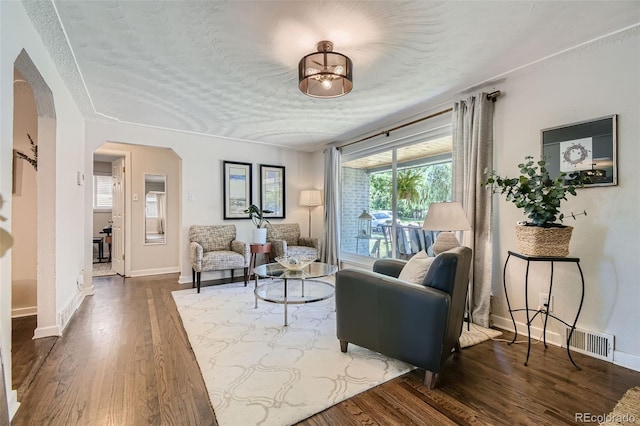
[{"x": 295, "y": 263}]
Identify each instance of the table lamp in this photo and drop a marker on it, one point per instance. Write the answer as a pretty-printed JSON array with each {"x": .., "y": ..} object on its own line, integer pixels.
[
  {"x": 310, "y": 198},
  {"x": 447, "y": 217}
]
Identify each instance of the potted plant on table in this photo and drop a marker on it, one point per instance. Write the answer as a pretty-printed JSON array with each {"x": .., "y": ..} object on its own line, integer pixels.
[
  {"x": 539, "y": 196},
  {"x": 256, "y": 215}
]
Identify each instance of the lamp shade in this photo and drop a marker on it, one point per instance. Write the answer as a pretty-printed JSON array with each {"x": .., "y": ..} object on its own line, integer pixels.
[
  {"x": 310, "y": 198},
  {"x": 325, "y": 74},
  {"x": 446, "y": 217}
]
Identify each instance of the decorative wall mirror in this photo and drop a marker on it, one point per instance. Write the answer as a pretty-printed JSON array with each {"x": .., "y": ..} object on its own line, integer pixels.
[{"x": 155, "y": 209}]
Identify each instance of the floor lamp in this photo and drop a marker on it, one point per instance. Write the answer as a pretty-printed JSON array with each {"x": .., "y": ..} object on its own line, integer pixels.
[
  {"x": 448, "y": 217},
  {"x": 310, "y": 198}
]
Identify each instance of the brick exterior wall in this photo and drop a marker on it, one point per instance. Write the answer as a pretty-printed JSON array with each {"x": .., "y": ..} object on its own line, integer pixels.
[{"x": 355, "y": 198}]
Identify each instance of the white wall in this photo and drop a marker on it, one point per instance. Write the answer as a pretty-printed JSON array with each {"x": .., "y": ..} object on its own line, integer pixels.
[
  {"x": 599, "y": 80},
  {"x": 66, "y": 254},
  {"x": 201, "y": 191}
]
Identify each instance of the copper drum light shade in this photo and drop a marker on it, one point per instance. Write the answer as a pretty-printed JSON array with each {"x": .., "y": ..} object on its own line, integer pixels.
[{"x": 325, "y": 74}]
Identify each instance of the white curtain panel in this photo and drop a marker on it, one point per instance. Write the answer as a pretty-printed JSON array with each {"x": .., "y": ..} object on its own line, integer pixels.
[
  {"x": 332, "y": 181},
  {"x": 472, "y": 155}
]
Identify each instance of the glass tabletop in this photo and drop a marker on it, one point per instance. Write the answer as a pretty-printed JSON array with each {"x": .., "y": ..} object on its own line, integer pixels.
[
  {"x": 314, "y": 270},
  {"x": 294, "y": 292}
]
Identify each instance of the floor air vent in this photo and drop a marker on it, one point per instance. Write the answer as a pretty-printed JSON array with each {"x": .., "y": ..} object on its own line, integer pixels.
[{"x": 597, "y": 345}]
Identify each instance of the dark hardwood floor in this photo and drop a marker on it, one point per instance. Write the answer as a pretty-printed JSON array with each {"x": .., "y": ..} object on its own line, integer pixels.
[
  {"x": 125, "y": 360},
  {"x": 27, "y": 354}
]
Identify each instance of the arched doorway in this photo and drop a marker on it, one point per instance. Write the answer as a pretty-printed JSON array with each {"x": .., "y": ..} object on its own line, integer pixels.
[{"x": 34, "y": 216}]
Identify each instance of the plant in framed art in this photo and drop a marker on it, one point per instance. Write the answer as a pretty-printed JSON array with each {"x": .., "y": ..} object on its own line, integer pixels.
[
  {"x": 587, "y": 148},
  {"x": 236, "y": 189},
  {"x": 272, "y": 191}
]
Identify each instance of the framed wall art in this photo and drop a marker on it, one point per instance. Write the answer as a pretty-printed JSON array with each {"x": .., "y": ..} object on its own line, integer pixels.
[
  {"x": 272, "y": 192},
  {"x": 587, "y": 148},
  {"x": 236, "y": 189}
]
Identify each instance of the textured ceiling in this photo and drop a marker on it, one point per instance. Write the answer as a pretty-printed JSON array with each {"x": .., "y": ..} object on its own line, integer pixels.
[{"x": 230, "y": 68}]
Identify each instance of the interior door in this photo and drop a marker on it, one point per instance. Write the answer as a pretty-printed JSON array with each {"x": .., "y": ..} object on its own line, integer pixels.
[{"x": 117, "y": 256}]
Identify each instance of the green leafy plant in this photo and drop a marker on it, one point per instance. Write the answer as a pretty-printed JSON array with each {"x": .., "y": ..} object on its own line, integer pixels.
[
  {"x": 408, "y": 184},
  {"x": 256, "y": 214},
  {"x": 536, "y": 193}
]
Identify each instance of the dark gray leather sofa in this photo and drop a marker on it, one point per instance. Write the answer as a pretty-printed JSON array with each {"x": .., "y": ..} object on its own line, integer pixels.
[{"x": 417, "y": 324}]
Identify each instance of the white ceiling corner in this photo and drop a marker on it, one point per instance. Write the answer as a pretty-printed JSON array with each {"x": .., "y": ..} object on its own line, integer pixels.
[{"x": 229, "y": 69}]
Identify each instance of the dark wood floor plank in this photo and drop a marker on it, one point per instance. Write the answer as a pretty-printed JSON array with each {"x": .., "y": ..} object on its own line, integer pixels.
[
  {"x": 27, "y": 354},
  {"x": 126, "y": 360}
]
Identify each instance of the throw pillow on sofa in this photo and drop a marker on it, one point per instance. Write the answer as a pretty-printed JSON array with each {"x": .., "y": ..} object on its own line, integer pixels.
[{"x": 416, "y": 268}]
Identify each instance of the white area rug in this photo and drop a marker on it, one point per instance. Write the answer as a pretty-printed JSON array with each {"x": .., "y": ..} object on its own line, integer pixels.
[
  {"x": 476, "y": 334},
  {"x": 258, "y": 372}
]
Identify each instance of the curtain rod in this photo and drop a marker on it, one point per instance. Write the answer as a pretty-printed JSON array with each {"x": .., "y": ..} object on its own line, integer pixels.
[{"x": 490, "y": 96}]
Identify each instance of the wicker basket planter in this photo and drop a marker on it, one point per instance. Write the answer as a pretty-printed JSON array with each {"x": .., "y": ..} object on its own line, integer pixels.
[{"x": 538, "y": 241}]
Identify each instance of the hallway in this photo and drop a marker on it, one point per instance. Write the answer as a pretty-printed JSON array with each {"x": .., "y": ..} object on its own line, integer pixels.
[{"x": 124, "y": 360}]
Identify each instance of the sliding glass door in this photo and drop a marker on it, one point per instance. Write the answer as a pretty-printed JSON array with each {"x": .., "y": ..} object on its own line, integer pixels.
[{"x": 385, "y": 197}]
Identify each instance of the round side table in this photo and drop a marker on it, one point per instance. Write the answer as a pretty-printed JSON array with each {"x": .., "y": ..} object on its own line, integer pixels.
[{"x": 258, "y": 248}]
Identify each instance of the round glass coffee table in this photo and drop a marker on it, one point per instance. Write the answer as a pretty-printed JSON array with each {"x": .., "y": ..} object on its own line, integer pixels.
[{"x": 290, "y": 287}]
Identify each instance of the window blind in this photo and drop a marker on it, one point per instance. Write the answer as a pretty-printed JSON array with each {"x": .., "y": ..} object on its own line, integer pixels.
[{"x": 102, "y": 192}]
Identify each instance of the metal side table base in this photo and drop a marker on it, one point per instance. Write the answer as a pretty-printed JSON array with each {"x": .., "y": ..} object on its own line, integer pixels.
[{"x": 541, "y": 310}]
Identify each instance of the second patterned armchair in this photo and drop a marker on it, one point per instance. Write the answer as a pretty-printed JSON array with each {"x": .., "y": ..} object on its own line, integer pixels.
[
  {"x": 215, "y": 248},
  {"x": 285, "y": 240}
]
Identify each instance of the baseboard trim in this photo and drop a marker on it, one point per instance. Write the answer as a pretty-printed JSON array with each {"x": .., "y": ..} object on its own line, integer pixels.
[
  {"x": 24, "y": 312},
  {"x": 12, "y": 403},
  {"x": 89, "y": 290},
  {"x": 626, "y": 360},
  {"x": 622, "y": 359},
  {"x": 185, "y": 279},
  {"x": 40, "y": 332},
  {"x": 213, "y": 278},
  {"x": 157, "y": 271},
  {"x": 536, "y": 332}
]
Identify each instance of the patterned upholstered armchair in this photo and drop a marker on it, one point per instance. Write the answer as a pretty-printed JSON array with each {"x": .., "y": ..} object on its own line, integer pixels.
[
  {"x": 215, "y": 248},
  {"x": 285, "y": 240}
]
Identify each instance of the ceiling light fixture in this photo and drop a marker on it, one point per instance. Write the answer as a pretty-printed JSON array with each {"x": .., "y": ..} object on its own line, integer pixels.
[{"x": 325, "y": 74}]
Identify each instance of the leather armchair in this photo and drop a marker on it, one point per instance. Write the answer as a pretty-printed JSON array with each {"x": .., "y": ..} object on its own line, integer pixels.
[
  {"x": 417, "y": 324},
  {"x": 215, "y": 248},
  {"x": 285, "y": 240}
]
